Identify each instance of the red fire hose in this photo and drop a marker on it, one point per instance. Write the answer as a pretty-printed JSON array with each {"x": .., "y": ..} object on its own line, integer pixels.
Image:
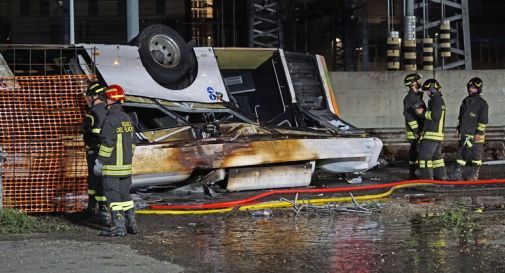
[{"x": 250, "y": 200}]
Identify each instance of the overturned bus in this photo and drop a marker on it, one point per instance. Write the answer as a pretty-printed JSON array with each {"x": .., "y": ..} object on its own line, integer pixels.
[{"x": 255, "y": 118}]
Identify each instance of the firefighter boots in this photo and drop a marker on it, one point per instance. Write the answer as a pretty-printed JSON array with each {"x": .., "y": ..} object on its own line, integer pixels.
[
  {"x": 426, "y": 173},
  {"x": 412, "y": 172},
  {"x": 131, "y": 224},
  {"x": 440, "y": 174},
  {"x": 92, "y": 207},
  {"x": 118, "y": 225},
  {"x": 104, "y": 214},
  {"x": 458, "y": 173},
  {"x": 474, "y": 172}
]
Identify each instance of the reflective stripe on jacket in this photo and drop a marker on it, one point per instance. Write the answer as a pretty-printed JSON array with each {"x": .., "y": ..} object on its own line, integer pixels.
[
  {"x": 413, "y": 123},
  {"x": 117, "y": 143},
  {"x": 434, "y": 118},
  {"x": 92, "y": 125},
  {"x": 473, "y": 117}
]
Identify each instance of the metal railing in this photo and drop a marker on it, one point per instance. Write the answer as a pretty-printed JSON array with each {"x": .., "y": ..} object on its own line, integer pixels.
[
  {"x": 397, "y": 135},
  {"x": 396, "y": 145}
]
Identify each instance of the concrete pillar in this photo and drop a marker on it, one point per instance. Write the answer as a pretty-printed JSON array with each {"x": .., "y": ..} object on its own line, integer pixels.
[
  {"x": 72, "y": 23},
  {"x": 409, "y": 55},
  {"x": 409, "y": 35},
  {"x": 393, "y": 51},
  {"x": 410, "y": 7},
  {"x": 445, "y": 39},
  {"x": 428, "y": 59},
  {"x": 132, "y": 19}
]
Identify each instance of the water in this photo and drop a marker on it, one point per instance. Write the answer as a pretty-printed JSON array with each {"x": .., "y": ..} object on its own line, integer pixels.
[
  {"x": 331, "y": 242},
  {"x": 391, "y": 241}
]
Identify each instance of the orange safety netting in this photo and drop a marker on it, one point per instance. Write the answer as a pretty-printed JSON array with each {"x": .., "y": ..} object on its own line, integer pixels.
[{"x": 40, "y": 120}]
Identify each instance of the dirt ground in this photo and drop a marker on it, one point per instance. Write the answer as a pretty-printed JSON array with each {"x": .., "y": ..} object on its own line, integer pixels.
[
  {"x": 425, "y": 230},
  {"x": 45, "y": 253}
]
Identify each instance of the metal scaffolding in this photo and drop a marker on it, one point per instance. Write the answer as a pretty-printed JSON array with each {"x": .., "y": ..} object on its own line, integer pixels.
[
  {"x": 350, "y": 49},
  {"x": 265, "y": 29},
  {"x": 431, "y": 14}
]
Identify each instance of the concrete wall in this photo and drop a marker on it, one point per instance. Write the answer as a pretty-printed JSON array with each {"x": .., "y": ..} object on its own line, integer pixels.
[{"x": 375, "y": 99}]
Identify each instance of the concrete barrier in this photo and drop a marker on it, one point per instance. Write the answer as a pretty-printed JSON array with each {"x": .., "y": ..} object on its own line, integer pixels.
[{"x": 375, "y": 99}]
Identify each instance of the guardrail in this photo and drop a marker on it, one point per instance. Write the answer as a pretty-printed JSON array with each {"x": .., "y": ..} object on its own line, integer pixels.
[
  {"x": 396, "y": 145},
  {"x": 397, "y": 135}
]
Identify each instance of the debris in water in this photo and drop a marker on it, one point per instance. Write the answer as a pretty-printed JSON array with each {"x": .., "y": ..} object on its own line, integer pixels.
[
  {"x": 333, "y": 207},
  {"x": 262, "y": 213},
  {"x": 355, "y": 180}
]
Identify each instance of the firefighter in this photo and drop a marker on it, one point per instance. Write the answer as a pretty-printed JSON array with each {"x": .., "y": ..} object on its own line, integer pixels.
[
  {"x": 472, "y": 122},
  {"x": 431, "y": 162},
  {"x": 413, "y": 122},
  {"x": 91, "y": 128},
  {"x": 114, "y": 163}
]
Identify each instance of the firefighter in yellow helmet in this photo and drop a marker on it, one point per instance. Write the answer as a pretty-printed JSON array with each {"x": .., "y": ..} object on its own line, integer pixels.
[
  {"x": 413, "y": 122},
  {"x": 114, "y": 163},
  {"x": 472, "y": 122},
  {"x": 431, "y": 161}
]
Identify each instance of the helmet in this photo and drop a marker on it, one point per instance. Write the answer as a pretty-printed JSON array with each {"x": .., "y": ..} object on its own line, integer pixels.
[
  {"x": 431, "y": 85},
  {"x": 410, "y": 79},
  {"x": 95, "y": 89},
  {"x": 476, "y": 82},
  {"x": 116, "y": 93}
]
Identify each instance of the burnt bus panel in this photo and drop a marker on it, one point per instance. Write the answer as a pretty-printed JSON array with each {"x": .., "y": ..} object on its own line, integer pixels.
[{"x": 217, "y": 153}]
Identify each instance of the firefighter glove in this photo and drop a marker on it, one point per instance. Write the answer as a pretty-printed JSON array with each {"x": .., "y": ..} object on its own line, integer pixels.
[
  {"x": 468, "y": 142},
  {"x": 98, "y": 168}
]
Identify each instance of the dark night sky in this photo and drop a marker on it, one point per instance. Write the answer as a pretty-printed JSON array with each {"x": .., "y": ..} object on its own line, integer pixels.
[
  {"x": 487, "y": 19},
  {"x": 18, "y": 18}
]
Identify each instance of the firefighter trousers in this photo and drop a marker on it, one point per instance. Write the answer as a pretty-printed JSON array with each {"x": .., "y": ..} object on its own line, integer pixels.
[
  {"x": 117, "y": 192},
  {"x": 95, "y": 184},
  {"x": 413, "y": 151},
  {"x": 431, "y": 160},
  {"x": 471, "y": 154}
]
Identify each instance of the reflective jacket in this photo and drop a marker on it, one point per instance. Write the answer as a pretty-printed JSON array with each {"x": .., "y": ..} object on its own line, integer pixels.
[
  {"x": 413, "y": 122},
  {"x": 434, "y": 116},
  {"x": 473, "y": 117},
  {"x": 92, "y": 125},
  {"x": 117, "y": 143}
]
